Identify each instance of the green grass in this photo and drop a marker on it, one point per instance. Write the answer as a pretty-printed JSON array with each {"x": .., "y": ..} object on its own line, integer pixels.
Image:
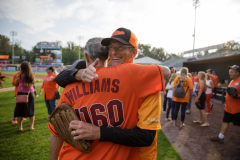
[
  {"x": 36, "y": 73},
  {"x": 15, "y": 145},
  {"x": 165, "y": 151},
  {"x": 31, "y": 145}
]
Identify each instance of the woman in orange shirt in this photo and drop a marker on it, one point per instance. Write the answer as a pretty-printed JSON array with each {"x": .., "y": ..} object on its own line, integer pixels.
[
  {"x": 50, "y": 87},
  {"x": 177, "y": 102},
  {"x": 201, "y": 98}
]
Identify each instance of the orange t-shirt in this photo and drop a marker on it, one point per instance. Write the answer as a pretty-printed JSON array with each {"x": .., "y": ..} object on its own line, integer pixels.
[
  {"x": 213, "y": 78},
  {"x": 233, "y": 105},
  {"x": 195, "y": 79},
  {"x": 50, "y": 86},
  {"x": 192, "y": 78},
  {"x": 13, "y": 80},
  {"x": 114, "y": 99},
  {"x": 216, "y": 80},
  {"x": 186, "y": 84}
]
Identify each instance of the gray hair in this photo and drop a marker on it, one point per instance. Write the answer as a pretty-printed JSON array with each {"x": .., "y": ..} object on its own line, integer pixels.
[{"x": 94, "y": 49}]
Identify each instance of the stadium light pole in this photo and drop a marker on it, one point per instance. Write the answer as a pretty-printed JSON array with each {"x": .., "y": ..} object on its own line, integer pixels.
[
  {"x": 195, "y": 4},
  {"x": 13, "y": 33},
  {"x": 80, "y": 38}
]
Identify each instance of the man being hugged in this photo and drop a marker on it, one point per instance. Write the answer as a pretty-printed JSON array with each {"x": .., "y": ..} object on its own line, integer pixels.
[{"x": 116, "y": 106}]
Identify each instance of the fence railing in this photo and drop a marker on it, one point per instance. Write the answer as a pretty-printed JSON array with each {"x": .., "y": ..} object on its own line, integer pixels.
[{"x": 220, "y": 92}]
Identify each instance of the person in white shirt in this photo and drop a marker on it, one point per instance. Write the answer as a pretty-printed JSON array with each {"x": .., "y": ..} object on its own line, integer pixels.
[
  {"x": 169, "y": 87},
  {"x": 208, "y": 92}
]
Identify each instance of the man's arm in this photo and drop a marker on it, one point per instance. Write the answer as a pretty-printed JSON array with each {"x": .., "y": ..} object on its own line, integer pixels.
[
  {"x": 70, "y": 76},
  {"x": 135, "y": 137},
  {"x": 55, "y": 146},
  {"x": 40, "y": 92},
  {"x": 66, "y": 77}
]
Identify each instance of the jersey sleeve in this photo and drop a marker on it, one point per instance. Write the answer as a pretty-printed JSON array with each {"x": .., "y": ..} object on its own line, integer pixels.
[
  {"x": 147, "y": 79},
  {"x": 149, "y": 113}
]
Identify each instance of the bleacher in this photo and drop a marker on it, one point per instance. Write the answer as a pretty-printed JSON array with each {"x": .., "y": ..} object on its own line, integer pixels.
[{"x": 178, "y": 62}]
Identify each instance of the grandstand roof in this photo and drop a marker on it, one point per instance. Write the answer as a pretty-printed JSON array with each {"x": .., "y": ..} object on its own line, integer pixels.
[{"x": 146, "y": 60}]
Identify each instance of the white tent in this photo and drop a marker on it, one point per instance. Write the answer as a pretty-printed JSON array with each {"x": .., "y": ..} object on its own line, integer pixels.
[{"x": 146, "y": 60}]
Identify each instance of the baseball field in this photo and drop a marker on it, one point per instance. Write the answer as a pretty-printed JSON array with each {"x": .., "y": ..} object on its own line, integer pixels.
[{"x": 15, "y": 145}]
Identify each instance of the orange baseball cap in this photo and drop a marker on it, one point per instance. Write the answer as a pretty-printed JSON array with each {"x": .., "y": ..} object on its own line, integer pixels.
[{"x": 122, "y": 35}]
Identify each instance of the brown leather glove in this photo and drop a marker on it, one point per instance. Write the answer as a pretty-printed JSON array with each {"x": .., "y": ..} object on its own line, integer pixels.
[
  {"x": 57, "y": 95},
  {"x": 232, "y": 92},
  {"x": 60, "y": 119}
]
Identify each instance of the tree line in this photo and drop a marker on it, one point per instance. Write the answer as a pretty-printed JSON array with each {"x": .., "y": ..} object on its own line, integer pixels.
[{"x": 70, "y": 52}]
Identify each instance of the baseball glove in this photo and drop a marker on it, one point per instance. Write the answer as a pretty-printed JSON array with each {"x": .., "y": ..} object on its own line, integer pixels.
[
  {"x": 57, "y": 95},
  {"x": 60, "y": 119},
  {"x": 232, "y": 92}
]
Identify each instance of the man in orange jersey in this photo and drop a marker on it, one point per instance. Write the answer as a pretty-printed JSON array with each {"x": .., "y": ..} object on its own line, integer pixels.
[
  {"x": 232, "y": 106},
  {"x": 118, "y": 54}
]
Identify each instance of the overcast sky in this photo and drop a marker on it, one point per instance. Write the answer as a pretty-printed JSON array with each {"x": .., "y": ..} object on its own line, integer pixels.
[{"x": 160, "y": 23}]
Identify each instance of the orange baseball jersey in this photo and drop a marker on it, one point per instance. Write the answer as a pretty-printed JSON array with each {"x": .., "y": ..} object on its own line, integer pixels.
[
  {"x": 186, "y": 84},
  {"x": 233, "y": 105},
  {"x": 114, "y": 99},
  {"x": 50, "y": 86},
  {"x": 16, "y": 87}
]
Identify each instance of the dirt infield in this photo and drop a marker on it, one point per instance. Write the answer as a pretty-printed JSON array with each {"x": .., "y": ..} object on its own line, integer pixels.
[{"x": 193, "y": 142}]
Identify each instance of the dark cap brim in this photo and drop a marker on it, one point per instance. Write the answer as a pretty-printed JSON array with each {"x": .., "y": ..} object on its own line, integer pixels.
[
  {"x": 106, "y": 41},
  {"x": 237, "y": 69}
]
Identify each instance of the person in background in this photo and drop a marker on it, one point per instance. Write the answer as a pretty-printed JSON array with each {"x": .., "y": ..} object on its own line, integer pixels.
[
  {"x": 210, "y": 86},
  {"x": 50, "y": 87},
  {"x": 188, "y": 111},
  {"x": 25, "y": 81},
  {"x": 232, "y": 109},
  {"x": 35, "y": 92},
  {"x": 215, "y": 85},
  {"x": 201, "y": 88},
  {"x": 169, "y": 89},
  {"x": 187, "y": 84},
  {"x": 213, "y": 78},
  {"x": 166, "y": 80},
  {"x": 195, "y": 82},
  {"x": 16, "y": 87}
]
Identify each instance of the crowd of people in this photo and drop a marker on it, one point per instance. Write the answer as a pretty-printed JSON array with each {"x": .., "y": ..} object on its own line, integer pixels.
[
  {"x": 120, "y": 109},
  {"x": 203, "y": 86}
]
